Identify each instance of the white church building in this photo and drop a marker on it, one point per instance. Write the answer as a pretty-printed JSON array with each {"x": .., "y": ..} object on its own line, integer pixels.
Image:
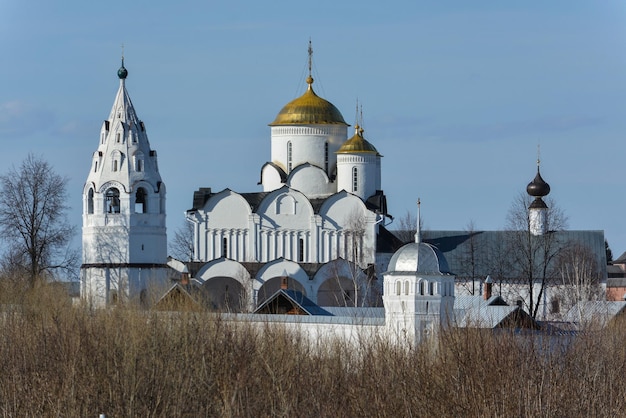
[
  {"x": 316, "y": 231},
  {"x": 316, "y": 220}
]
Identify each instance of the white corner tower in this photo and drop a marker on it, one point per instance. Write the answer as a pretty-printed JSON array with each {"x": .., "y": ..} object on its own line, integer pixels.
[
  {"x": 418, "y": 291},
  {"x": 124, "y": 234}
]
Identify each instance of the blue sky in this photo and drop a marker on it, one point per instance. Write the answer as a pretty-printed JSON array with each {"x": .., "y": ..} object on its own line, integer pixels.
[{"x": 456, "y": 95}]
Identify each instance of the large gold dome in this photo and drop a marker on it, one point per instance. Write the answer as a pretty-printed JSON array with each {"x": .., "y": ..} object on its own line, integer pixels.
[
  {"x": 308, "y": 109},
  {"x": 357, "y": 144}
]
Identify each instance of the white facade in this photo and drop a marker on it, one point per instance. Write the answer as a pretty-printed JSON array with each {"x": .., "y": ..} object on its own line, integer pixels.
[
  {"x": 305, "y": 217},
  {"x": 124, "y": 234}
]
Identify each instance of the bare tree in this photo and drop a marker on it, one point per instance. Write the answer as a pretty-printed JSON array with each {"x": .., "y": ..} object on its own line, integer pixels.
[
  {"x": 33, "y": 219},
  {"x": 580, "y": 275},
  {"x": 471, "y": 260},
  {"x": 407, "y": 227},
  {"x": 534, "y": 255},
  {"x": 181, "y": 246}
]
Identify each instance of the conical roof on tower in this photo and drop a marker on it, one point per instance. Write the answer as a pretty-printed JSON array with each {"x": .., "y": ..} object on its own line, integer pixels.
[{"x": 124, "y": 154}]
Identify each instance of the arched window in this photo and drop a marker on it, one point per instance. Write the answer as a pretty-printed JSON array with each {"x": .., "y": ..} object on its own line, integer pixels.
[
  {"x": 355, "y": 179},
  {"x": 225, "y": 247},
  {"x": 300, "y": 250},
  {"x": 139, "y": 162},
  {"x": 421, "y": 288},
  {"x": 406, "y": 287},
  {"x": 112, "y": 200},
  {"x": 286, "y": 205},
  {"x": 141, "y": 204},
  {"x": 117, "y": 137},
  {"x": 398, "y": 287},
  {"x": 90, "y": 202},
  {"x": 326, "y": 156},
  {"x": 289, "y": 156},
  {"x": 431, "y": 288}
]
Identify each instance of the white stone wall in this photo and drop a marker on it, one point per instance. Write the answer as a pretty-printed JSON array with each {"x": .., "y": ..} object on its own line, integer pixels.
[{"x": 307, "y": 145}]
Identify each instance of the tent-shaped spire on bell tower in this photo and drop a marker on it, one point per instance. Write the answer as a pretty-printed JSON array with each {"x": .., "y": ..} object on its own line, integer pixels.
[{"x": 124, "y": 235}]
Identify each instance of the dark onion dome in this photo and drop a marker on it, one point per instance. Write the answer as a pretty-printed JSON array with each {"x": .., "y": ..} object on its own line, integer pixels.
[
  {"x": 419, "y": 257},
  {"x": 538, "y": 187},
  {"x": 357, "y": 144},
  {"x": 122, "y": 73},
  {"x": 309, "y": 109}
]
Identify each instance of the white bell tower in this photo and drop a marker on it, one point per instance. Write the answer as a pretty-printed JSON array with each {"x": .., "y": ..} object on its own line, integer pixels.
[{"x": 124, "y": 234}]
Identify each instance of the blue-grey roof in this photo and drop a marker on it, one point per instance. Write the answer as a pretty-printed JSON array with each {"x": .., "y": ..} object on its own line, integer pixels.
[
  {"x": 298, "y": 299},
  {"x": 491, "y": 251}
]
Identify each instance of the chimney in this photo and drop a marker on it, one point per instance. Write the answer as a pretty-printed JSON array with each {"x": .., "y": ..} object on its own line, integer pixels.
[
  {"x": 487, "y": 288},
  {"x": 283, "y": 282},
  {"x": 184, "y": 276}
]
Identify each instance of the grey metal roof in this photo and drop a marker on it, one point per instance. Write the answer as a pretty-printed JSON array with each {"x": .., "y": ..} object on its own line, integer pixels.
[
  {"x": 491, "y": 252},
  {"x": 601, "y": 311},
  {"x": 485, "y": 316}
]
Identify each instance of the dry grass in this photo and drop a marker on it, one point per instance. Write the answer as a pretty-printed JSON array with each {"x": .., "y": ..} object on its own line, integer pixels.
[{"x": 56, "y": 360}]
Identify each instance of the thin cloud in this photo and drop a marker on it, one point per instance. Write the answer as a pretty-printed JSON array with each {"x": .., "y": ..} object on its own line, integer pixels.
[{"x": 19, "y": 119}]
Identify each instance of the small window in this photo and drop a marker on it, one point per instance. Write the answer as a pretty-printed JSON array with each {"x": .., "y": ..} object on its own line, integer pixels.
[
  {"x": 102, "y": 136},
  {"x": 398, "y": 288},
  {"x": 421, "y": 288},
  {"x": 555, "y": 307},
  {"x": 355, "y": 179},
  {"x": 90, "y": 202},
  {"x": 139, "y": 165},
  {"x": 117, "y": 137},
  {"x": 326, "y": 156},
  {"x": 431, "y": 288},
  {"x": 225, "y": 247},
  {"x": 289, "y": 156},
  {"x": 300, "y": 250},
  {"x": 115, "y": 162},
  {"x": 406, "y": 287},
  {"x": 95, "y": 167}
]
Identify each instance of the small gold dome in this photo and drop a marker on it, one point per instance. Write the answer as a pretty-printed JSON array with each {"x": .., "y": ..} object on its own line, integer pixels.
[
  {"x": 357, "y": 144},
  {"x": 308, "y": 109}
]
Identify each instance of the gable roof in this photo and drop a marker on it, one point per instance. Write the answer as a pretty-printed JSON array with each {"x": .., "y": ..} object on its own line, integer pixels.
[{"x": 289, "y": 301}]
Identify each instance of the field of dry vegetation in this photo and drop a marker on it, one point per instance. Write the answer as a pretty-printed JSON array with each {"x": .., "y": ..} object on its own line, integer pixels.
[{"x": 58, "y": 360}]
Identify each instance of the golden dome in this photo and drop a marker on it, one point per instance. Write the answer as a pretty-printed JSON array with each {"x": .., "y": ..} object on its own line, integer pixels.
[
  {"x": 308, "y": 109},
  {"x": 357, "y": 144}
]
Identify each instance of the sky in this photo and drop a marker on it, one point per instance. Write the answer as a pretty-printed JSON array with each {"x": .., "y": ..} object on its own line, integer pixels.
[{"x": 456, "y": 95}]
